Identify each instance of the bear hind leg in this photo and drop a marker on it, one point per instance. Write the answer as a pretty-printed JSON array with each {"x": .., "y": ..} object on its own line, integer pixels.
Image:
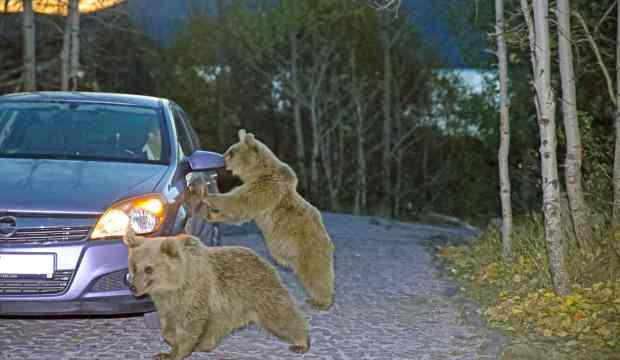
[
  {"x": 288, "y": 325},
  {"x": 212, "y": 336},
  {"x": 317, "y": 279}
]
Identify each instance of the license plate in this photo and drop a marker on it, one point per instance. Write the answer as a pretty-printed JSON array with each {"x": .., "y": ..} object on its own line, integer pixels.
[{"x": 27, "y": 264}]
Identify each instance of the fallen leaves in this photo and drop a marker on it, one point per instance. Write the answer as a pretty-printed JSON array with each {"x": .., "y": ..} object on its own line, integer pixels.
[
  {"x": 588, "y": 314},
  {"x": 589, "y": 317}
]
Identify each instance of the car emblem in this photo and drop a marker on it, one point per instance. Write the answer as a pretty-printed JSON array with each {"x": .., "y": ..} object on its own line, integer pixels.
[{"x": 8, "y": 226}]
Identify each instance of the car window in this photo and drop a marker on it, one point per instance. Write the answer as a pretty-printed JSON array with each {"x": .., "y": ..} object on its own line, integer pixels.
[
  {"x": 183, "y": 135},
  {"x": 81, "y": 131},
  {"x": 7, "y": 122},
  {"x": 192, "y": 134}
]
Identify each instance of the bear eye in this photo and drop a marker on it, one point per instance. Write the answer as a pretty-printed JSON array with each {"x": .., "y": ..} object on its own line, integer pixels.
[
  {"x": 134, "y": 268},
  {"x": 148, "y": 269}
]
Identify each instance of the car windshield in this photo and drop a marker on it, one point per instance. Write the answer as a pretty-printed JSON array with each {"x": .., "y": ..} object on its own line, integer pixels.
[{"x": 81, "y": 131}]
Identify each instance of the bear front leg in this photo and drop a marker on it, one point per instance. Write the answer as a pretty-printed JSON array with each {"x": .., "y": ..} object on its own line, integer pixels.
[
  {"x": 215, "y": 330},
  {"x": 187, "y": 338},
  {"x": 217, "y": 217},
  {"x": 317, "y": 277},
  {"x": 168, "y": 328},
  {"x": 231, "y": 208},
  {"x": 164, "y": 356}
]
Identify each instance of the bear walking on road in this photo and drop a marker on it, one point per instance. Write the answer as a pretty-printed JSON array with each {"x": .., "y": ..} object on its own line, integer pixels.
[
  {"x": 293, "y": 229},
  {"x": 204, "y": 293}
]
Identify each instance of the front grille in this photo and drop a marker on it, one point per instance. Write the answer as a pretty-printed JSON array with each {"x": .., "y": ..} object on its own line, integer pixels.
[
  {"x": 35, "y": 285},
  {"x": 111, "y": 282},
  {"x": 46, "y": 235}
]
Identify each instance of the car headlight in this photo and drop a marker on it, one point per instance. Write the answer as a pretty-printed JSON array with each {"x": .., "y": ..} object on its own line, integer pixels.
[{"x": 144, "y": 214}]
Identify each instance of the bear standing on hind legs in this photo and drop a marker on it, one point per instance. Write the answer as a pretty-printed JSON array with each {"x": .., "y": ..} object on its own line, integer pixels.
[{"x": 293, "y": 229}]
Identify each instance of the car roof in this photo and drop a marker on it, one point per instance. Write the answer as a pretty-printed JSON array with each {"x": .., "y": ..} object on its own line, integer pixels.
[{"x": 96, "y": 97}]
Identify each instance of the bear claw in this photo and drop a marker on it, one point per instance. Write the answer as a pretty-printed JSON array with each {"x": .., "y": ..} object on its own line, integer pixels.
[
  {"x": 298, "y": 349},
  {"x": 318, "y": 305},
  {"x": 301, "y": 349},
  {"x": 163, "y": 356}
]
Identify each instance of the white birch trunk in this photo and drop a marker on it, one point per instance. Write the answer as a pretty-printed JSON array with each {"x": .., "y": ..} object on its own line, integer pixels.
[
  {"x": 387, "y": 127},
  {"x": 299, "y": 135},
  {"x": 341, "y": 161},
  {"x": 74, "y": 17},
  {"x": 326, "y": 163},
  {"x": 398, "y": 148},
  {"x": 360, "y": 131},
  {"x": 572, "y": 164},
  {"x": 65, "y": 57},
  {"x": 545, "y": 105},
  {"x": 504, "y": 146},
  {"x": 29, "y": 52},
  {"x": 314, "y": 170},
  {"x": 361, "y": 187},
  {"x": 616, "y": 175},
  {"x": 400, "y": 173},
  {"x": 69, "y": 56}
]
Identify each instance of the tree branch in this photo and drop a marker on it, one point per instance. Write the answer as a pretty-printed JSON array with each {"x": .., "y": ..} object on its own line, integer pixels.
[
  {"x": 597, "y": 53},
  {"x": 602, "y": 20},
  {"x": 10, "y": 73}
]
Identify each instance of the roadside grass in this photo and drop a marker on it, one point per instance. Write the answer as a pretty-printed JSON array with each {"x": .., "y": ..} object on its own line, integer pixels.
[{"x": 517, "y": 296}]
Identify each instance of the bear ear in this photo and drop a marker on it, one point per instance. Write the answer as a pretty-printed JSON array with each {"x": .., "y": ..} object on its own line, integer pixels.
[
  {"x": 130, "y": 239},
  {"x": 246, "y": 138},
  {"x": 249, "y": 139},
  {"x": 185, "y": 239},
  {"x": 241, "y": 135},
  {"x": 169, "y": 248}
]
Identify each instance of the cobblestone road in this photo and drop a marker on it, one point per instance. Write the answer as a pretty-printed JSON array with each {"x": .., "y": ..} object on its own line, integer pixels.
[{"x": 390, "y": 304}]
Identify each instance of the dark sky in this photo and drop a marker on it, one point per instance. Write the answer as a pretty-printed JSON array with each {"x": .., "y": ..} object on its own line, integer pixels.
[{"x": 162, "y": 18}]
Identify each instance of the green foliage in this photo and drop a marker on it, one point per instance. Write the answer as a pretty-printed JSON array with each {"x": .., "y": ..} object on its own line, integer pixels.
[
  {"x": 597, "y": 163},
  {"x": 450, "y": 157},
  {"x": 517, "y": 294}
]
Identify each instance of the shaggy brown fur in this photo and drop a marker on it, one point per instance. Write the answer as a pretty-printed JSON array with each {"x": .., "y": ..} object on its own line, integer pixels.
[
  {"x": 202, "y": 294},
  {"x": 292, "y": 227}
]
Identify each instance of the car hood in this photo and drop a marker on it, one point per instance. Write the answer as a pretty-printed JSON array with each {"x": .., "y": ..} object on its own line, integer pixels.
[{"x": 68, "y": 186}]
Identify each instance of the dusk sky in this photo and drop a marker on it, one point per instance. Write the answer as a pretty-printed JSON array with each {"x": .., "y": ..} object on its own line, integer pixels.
[{"x": 162, "y": 18}]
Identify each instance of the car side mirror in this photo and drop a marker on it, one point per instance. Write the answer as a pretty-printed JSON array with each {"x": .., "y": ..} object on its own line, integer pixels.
[{"x": 205, "y": 160}]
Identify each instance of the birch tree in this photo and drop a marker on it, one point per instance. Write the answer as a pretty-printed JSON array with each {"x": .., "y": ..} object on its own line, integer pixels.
[
  {"x": 69, "y": 56},
  {"x": 300, "y": 149},
  {"x": 29, "y": 70},
  {"x": 361, "y": 111},
  {"x": 386, "y": 159},
  {"x": 291, "y": 67},
  {"x": 390, "y": 35},
  {"x": 504, "y": 146},
  {"x": 572, "y": 164},
  {"x": 616, "y": 174},
  {"x": 615, "y": 99},
  {"x": 540, "y": 47}
]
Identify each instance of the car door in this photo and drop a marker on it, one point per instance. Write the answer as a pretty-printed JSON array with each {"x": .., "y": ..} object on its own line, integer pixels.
[{"x": 188, "y": 142}]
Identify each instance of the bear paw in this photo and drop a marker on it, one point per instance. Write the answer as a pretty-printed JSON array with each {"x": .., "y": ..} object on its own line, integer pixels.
[
  {"x": 318, "y": 305},
  {"x": 298, "y": 349},
  {"x": 301, "y": 349},
  {"x": 164, "y": 356},
  {"x": 214, "y": 216}
]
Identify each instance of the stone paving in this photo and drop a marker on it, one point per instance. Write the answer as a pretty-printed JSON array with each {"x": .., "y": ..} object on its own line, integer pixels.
[{"x": 391, "y": 303}]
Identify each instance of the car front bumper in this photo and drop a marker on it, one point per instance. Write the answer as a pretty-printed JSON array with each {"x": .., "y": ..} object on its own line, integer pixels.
[
  {"x": 101, "y": 306},
  {"x": 96, "y": 286}
]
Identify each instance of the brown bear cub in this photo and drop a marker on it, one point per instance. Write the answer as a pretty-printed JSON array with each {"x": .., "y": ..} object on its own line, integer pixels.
[
  {"x": 293, "y": 229},
  {"x": 204, "y": 293}
]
